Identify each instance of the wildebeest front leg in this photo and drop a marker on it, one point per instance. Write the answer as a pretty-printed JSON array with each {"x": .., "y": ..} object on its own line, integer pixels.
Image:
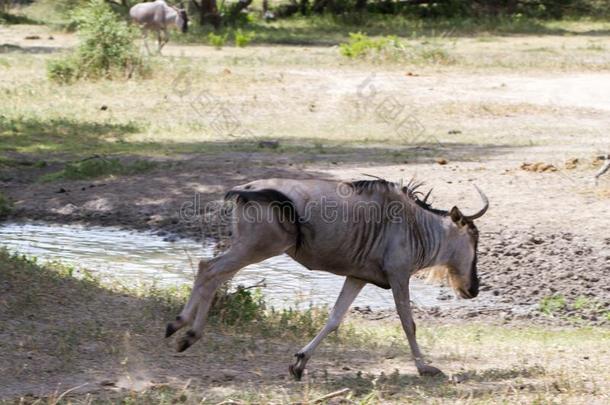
[
  {"x": 349, "y": 292},
  {"x": 159, "y": 41},
  {"x": 145, "y": 40},
  {"x": 400, "y": 290},
  {"x": 165, "y": 39}
]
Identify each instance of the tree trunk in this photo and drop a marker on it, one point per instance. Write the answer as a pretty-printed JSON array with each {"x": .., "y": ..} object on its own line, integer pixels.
[
  {"x": 361, "y": 5},
  {"x": 208, "y": 12}
]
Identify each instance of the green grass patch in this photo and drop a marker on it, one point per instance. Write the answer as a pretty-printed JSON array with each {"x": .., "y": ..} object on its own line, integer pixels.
[
  {"x": 98, "y": 167},
  {"x": 35, "y": 134},
  {"x": 552, "y": 304},
  {"x": 391, "y": 49},
  {"x": 243, "y": 38},
  {"x": 217, "y": 40},
  {"x": 6, "y": 206}
]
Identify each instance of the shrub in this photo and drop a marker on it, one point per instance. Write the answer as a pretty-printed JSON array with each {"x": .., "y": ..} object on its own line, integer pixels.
[
  {"x": 62, "y": 70},
  {"x": 240, "y": 306},
  {"x": 242, "y": 39},
  {"x": 218, "y": 41},
  {"x": 360, "y": 45},
  {"x": 106, "y": 50}
]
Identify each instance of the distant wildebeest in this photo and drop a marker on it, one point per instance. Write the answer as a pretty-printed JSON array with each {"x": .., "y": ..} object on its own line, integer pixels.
[
  {"x": 158, "y": 16},
  {"x": 368, "y": 231}
]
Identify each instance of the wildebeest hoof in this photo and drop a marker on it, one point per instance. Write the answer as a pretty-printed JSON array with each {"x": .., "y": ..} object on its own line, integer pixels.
[
  {"x": 296, "y": 372},
  {"x": 296, "y": 369},
  {"x": 170, "y": 329},
  {"x": 183, "y": 344},
  {"x": 186, "y": 341},
  {"x": 428, "y": 371}
]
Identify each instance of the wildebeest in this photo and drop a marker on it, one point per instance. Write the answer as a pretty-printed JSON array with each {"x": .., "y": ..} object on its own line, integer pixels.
[
  {"x": 368, "y": 231},
  {"x": 158, "y": 16}
]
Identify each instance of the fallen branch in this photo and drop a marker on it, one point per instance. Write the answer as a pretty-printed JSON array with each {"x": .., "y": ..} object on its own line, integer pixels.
[
  {"x": 326, "y": 397},
  {"x": 260, "y": 284}
]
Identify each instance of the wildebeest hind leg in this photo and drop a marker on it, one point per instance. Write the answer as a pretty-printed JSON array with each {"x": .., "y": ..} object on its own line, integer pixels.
[
  {"x": 349, "y": 292},
  {"x": 211, "y": 276},
  {"x": 187, "y": 315}
]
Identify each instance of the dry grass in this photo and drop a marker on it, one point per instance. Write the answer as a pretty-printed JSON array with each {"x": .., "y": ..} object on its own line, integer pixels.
[{"x": 200, "y": 97}]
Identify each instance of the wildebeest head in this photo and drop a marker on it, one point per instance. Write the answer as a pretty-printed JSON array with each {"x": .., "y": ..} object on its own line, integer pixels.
[
  {"x": 183, "y": 20},
  {"x": 462, "y": 253}
]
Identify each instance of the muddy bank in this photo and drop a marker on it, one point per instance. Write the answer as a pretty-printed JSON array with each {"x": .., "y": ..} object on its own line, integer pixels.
[{"x": 556, "y": 278}]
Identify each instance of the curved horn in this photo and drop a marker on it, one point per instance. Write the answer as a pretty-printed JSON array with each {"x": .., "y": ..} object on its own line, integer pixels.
[
  {"x": 483, "y": 210},
  {"x": 426, "y": 197}
]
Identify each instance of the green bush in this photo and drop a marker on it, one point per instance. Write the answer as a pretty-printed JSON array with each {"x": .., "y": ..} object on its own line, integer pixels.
[
  {"x": 238, "y": 307},
  {"x": 106, "y": 49},
  {"x": 62, "y": 70},
  {"x": 389, "y": 48},
  {"x": 242, "y": 39},
  {"x": 360, "y": 45},
  {"x": 218, "y": 41}
]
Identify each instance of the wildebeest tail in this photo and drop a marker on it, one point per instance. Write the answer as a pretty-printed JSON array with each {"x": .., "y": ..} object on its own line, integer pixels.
[{"x": 275, "y": 202}]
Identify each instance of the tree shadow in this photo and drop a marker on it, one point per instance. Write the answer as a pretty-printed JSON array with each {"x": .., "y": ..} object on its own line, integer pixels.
[
  {"x": 331, "y": 30},
  {"x": 62, "y": 135},
  {"x": 12, "y": 19},
  {"x": 12, "y": 48},
  {"x": 44, "y": 136},
  {"x": 441, "y": 386}
]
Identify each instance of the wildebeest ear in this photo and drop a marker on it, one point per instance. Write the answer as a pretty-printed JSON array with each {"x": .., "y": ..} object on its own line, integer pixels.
[{"x": 455, "y": 215}]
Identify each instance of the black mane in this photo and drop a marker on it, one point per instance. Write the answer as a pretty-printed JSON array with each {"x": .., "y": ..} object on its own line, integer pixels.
[{"x": 411, "y": 190}]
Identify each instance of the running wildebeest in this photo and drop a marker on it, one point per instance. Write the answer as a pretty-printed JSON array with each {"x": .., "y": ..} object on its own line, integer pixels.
[
  {"x": 370, "y": 231},
  {"x": 158, "y": 16}
]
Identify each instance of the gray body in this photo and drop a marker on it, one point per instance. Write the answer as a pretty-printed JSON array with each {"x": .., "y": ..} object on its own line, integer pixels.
[
  {"x": 369, "y": 232},
  {"x": 159, "y": 17}
]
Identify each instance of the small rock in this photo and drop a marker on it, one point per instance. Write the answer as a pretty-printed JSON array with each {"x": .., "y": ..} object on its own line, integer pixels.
[
  {"x": 459, "y": 378},
  {"x": 269, "y": 144},
  {"x": 441, "y": 161},
  {"x": 104, "y": 107}
]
